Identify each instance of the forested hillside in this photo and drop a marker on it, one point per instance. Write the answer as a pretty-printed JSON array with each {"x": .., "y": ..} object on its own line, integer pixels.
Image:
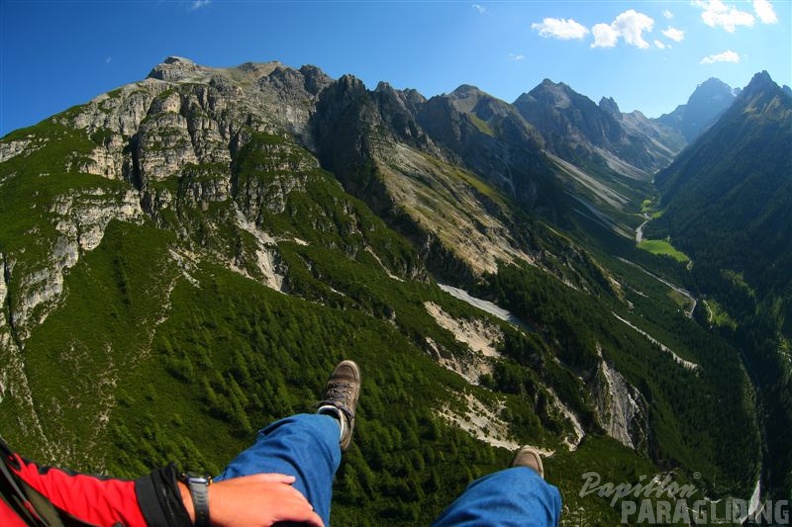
[
  {"x": 726, "y": 202},
  {"x": 186, "y": 257}
]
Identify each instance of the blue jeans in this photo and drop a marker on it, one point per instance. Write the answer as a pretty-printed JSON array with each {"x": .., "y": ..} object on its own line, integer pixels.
[
  {"x": 513, "y": 497},
  {"x": 306, "y": 447}
]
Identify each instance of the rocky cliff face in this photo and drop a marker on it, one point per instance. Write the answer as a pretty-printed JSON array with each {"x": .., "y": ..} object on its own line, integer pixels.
[{"x": 621, "y": 408}]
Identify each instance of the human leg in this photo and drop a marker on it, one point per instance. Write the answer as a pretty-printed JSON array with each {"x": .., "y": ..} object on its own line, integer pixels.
[
  {"x": 307, "y": 446},
  {"x": 514, "y": 497},
  {"x": 304, "y": 446}
]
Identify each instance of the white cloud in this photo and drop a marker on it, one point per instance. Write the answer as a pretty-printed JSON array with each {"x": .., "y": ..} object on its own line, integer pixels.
[
  {"x": 660, "y": 45},
  {"x": 677, "y": 35},
  {"x": 668, "y": 14},
  {"x": 198, "y": 4},
  {"x": 726, "y": 56},
  {"x": 480, "y": 8},
  {"x": 560, "y": 28},
  {"x": 604, "y": 36},
  {"x": 629, "y": 25},
  {"x": 764, "y": 10},
  {"x": 516, "y": 57},
  {"x": 717, "y": 14},
  {"x": 108, "y": 60}
]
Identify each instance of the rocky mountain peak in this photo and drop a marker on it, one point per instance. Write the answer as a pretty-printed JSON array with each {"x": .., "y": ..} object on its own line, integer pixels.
[
  {"x": 258, "y": 69},
  {"x": 712, "y": 90},
  {"x": 609, "y": 106},
  {"x": 175, "y": 69},
  {"x": 549, "y": 84},
  {"x": 393, "y": 102},
  {"x": 760, "y": 82},
  {"x": 557, "y": 110},
  {"x": 350, "y": 83},
  {"x": 765, "y": 100},
  {"x": 173, "y": 59},
  {"x": 315, "y": 79},
  {"x": 708, "y": 102},
  {"x": 557, "y": 94},
  {"x": 414, "y": 96},
  {"x": 411, "y": 96},
  {"x": 466, "y": 90},
  {"x": 468, "y": 99}
]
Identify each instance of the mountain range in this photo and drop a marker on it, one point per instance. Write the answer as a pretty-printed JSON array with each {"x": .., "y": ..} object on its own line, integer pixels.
[{"x": 185, "y": 257}]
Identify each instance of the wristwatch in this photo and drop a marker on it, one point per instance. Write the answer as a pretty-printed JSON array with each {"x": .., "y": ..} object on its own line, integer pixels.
[{"x": 199, "y": 490}]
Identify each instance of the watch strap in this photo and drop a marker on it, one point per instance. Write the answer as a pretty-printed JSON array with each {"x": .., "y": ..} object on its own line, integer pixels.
[{"x": 199, "y": 490}]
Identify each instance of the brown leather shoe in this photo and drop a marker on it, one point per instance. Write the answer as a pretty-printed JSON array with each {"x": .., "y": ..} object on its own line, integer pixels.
[
  {"x": 341, "y": 397},
  {"x": 528, "y": 457}
]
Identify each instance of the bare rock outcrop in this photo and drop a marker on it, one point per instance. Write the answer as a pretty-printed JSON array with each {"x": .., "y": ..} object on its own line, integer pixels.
[{"x": 621, "y": 408}]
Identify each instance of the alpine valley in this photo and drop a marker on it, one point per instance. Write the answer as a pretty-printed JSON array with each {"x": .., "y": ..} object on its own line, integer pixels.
[{"x": 186, "y": 257}]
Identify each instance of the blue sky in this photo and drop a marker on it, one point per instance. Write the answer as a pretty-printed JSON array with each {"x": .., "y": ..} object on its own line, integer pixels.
[{"x": 647, "y": 55}]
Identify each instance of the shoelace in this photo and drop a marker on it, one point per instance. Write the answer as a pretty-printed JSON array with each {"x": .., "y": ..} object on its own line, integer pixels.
[{"x": 339, "y": 393}]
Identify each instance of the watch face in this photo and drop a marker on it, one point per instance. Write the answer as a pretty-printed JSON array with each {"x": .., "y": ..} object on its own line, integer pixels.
[{"x": 191, "y": 477}]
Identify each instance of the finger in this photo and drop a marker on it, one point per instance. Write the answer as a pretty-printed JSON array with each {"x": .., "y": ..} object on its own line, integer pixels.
[
  {"x": 278, "y": 478},
  {"x": 314, "y": 520},
  {"x": 302, "y": 512},
  {"x": 267, "y": 478}
]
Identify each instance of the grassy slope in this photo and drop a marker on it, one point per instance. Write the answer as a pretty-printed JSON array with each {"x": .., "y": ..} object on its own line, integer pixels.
[{"x": 663, "y": 248}]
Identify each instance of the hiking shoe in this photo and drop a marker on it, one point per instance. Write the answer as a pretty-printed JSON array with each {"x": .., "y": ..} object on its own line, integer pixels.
[
  {"x": 341, "y": 397},
  {"x": 528, "y": 457}
]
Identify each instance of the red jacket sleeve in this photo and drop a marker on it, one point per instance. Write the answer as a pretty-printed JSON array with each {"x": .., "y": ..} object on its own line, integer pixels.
[
  {"x": 99, "y": 501},
  {"x": 151, "y": 501}
]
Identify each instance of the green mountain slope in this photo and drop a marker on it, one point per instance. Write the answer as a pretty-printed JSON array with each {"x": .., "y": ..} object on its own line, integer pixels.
[
  {"x": 185, "y": 258},
  {"x": 727, "y": 202}
]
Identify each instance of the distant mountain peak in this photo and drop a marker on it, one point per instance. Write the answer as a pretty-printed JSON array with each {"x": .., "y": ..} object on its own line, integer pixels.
[
  {"x": 550, "y": 83},
  {"x": 713, "y": 82},
  {"x": 762, "y": 76},
  {"x": 707, "y": 102},
  {"x": 173, "y": 59},
  {"x": 759, "y": 82},
  {"x": 466, "y": 90},
  {"x": 609, "y": 106},
  {"x": 712, "y": 88},
  {"x": 350, "y": 82},
  {"x": 764, "y": 97},
  {"x": 175, "y": 68}
]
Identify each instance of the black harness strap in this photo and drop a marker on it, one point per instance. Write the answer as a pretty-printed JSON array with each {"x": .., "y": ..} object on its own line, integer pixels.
[{"x": 17, "y": 499}]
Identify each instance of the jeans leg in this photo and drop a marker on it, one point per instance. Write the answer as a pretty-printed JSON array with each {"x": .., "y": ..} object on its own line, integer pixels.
[
  {"x": 304, "y": 446},
  {"x": 514, "y": 497}
]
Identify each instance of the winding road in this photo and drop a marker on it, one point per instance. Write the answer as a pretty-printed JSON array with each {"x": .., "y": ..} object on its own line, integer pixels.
[
  {"x": 683, "y": 292},
  {"x": 639, "y": 230}
]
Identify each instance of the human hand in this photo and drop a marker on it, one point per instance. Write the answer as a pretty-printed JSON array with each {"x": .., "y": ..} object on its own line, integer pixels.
[{"x": 255, "y": 501}]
